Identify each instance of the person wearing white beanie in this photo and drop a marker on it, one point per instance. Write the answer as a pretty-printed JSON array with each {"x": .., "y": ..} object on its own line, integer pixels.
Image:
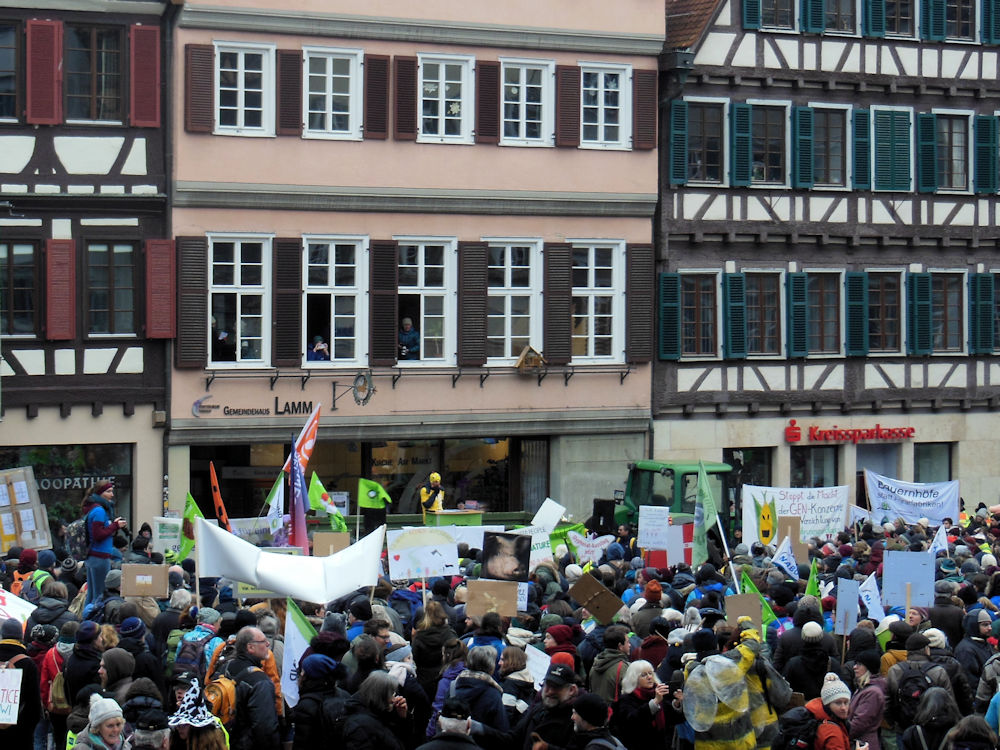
[
  {"x": 106, "y": 727},
  {"x": 831, "y": 710}
]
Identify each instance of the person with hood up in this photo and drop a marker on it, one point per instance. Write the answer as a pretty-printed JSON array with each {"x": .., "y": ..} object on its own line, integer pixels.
[
  {"x": 806, "y": 671},
  {"x": 790, "y": 641},
  {"x": 936, "y": 714},
  {"x": 53, "y": 607},
  {"x": 115, "y": 672},
  {"x": 321, "y": 702},
  {"x": 943, "y": 656},
  {"x": 867, "y": 706},
  {"x": 105, "y": 729},
  {"x": 518, "y": 684},
  {"x": 475, "y": 685},
  {"x": 83, "y": 663},
  {"x": 132, "y": 638},
  {"x": 831, "y": 710},
  {"x": 708, "y": 579},
  {"x": 29, "y": 709},
  {"x": 102, "y": 523},
  {"x": 610, "y": 665},
  {"x": 859, "y": 641},
  {"x": 141, "y": 696},
  {"x": 974, "y": 650},
  {"x": 376, "y": 715}
]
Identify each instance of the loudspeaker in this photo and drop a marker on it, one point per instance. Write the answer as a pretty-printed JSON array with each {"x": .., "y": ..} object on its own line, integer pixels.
[{"x": 603, "y": 520}]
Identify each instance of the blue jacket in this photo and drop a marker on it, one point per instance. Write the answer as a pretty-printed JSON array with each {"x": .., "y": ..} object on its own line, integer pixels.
[{"x": 100, "y": 527}]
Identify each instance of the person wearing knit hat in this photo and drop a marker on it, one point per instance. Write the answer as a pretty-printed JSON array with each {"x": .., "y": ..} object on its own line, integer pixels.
[
  {"x": 590, "y": 718},
  {"x": 11, "y": 630},
  {"x": 831, "y": 709},
  {"x": 653, "y": 608},
  {"x": 106, "y": 726},
  {"x": 804, "y": 671},
  {"x": 101, "y": 523}
]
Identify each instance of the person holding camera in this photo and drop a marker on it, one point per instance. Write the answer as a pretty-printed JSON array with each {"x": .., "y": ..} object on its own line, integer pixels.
[
  {"x": 319, "y": 352},
  {"x": 409, "y": 340},
  {"x": 101, "y": 524}
]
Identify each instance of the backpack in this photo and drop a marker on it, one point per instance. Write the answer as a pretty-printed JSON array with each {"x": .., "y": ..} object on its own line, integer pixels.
[
  {"x": 332, "y": 716},
  {"x": 610, "y": 744},
  {"x": 10, "y": 665},
  {"x": 220, "y": 696},
  {"x": 191, "y": 656},
  {"x": 170, "y": 650},
  {"x": 913, "y": 683},
  {"x": 406, "y": 603},
  {"x": 31, "y": 591},
  {"x": 105, "y": 610},
  {"x": 58, "y": 703},
  {"x": 78, "y": 539},
  {"x": 797, "y": 729},
  {"x": 19, "y": 580}
]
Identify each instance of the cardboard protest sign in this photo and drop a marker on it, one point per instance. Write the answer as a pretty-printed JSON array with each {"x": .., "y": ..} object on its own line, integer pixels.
[
  {"x": 145, "y": 580},
  {"x": 597, "y": 598},
  {"x": 327, "y": 542},
  {"x": 10, "y": 694},
  {"x": 913, "y": 569},
  {"x": 791, "y": 526},
  {"x": 822, "y": 511},
  {"x": 422, "y": 553},
  {"x": 846, "y": 615},
  {"x": 654, "y": 523},
  {"x": 589, "y": 549},
  {"x": 506, "y": 557},
  {"x": 23, "y": 517},
  {"x": 549, "y": 515},
  {"x": 491, "y": 596},
  {"x": 740, "y": 605}
]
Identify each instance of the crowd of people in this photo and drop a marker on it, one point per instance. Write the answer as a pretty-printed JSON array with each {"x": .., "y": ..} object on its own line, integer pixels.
[{"x": 398, "y": 666}]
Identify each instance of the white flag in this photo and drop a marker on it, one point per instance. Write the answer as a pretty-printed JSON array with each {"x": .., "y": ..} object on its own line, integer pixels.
[
  {"x": 298, "y": 632},
  {"x": 276, "y": 504},
  {"x": 784, "y": 558},
  {"x": 872, "y": 598},
  {"x": 940, "y": 542}
]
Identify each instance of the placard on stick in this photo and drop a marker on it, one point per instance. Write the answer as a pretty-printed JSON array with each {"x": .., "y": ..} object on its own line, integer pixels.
[
  {"x": 744, "y": 605},
  {"x": 145, "y": 580},
  {"x": 915, "y": 569},
  {"x": 10, "y": 694},
  {"x": 846, "y": 615},
  {"x": 327, "y": 542},
  {"x": 492, "y": 596},
  {"x": 791, "y": 526},
  {"x": 599, "y": 600},
  {"x": 654, "y": 525}
]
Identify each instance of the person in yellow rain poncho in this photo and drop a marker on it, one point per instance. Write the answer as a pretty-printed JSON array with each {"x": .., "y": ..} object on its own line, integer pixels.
[{"x": 769, "y": 693}]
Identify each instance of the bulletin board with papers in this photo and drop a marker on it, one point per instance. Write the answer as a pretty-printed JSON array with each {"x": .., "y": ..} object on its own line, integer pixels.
[{"x": 24, "y": 521}]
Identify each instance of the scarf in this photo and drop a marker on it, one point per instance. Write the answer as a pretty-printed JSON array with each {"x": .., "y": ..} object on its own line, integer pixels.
[
  {"x": 482, "y": 676},
  {"x": 647, "y": 694}
]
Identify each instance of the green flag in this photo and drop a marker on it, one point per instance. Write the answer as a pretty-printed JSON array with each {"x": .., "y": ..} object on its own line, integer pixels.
[
  {"x": 371, "y": 494},
  {"x": 767, "y": 615},
  {"x": 812, "y": 588},
  {"x": 705, "y": 517},
  {"x": 319, "y": 499},
  {"x": 191, "y": 512}
]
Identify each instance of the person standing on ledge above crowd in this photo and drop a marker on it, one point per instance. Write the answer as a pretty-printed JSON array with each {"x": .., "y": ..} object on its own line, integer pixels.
[
  {"x": 431, "y": 494},
  {"x": 98, "y": 508}
]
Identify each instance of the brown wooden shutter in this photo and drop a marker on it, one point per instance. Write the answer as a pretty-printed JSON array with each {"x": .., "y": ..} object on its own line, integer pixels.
[
  {"x": 383, "y": 311},
  {"x": 144, "y": 76},
  {"x": 43, "y": 103},
  {"x": 192, "y": 302},
  {"x": 289, "y": 92},
  {"x": 567, "y": 105},
  {"x": 60, "y": 290},
  {"x": 644, "y": 106},
  {"x": 487, "y": 102},
  {"x": 405, "y": 121},
  {"x": 199, "y": 88},
  {"x": 471, "y": 304},
  {"x": 161, "y": 291},
  {"x": 286, "y": 303},
  {"x": 376, "y": 97},
  {"x": 639, "y": 296},
  {"x": 557, "y": 303}
]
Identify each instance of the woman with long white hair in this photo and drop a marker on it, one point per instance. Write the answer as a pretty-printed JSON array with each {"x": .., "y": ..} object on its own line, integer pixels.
[{"x": 639, "y": 719}]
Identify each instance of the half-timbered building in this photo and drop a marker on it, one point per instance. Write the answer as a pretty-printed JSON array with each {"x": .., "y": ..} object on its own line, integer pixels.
[
  {"x": 86, "y": 276},
  {"x": 828, "y": 240}
]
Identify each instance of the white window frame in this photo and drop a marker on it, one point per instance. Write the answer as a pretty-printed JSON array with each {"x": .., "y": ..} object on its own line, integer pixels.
[
  {"x": 359, "y": 290},
  {"x": 841, "y": 311},
  {"x": 970, "y": 161},
  {"x": 263, "y": 291},
  {"x": 774, "y": 104},
  {"x": 717, "y": 276},
  {"x": 848, "y": 145},
  {"x": 355, "y": 59},
  {"x": 548, "y": 102},
  {"x": 533, "y": 291},
  {"x": 782, "y": 315},
  {"x": 624, "y": 142},
  {"x": 913, "y": 145},
  {"x": 468, "y": 98},
  {"x": 447, "y": 291},
  {"x": 268, "y": 51},
  {"x": 963, "y": 307},
  {"x": 900, "y": 273},
  {"x": 724, "y": 166},
  {"x": 617, "y": 293}
]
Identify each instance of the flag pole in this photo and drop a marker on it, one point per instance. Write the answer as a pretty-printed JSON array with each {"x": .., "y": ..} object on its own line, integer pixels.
[{"x": 725, "y": 546}]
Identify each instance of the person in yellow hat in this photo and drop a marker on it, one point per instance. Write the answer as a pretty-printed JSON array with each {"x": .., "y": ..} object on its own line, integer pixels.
[{"x": 432, "y": 495}]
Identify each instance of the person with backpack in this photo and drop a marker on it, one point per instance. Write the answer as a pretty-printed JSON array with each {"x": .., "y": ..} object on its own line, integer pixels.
[
  {"x": 609, "y": 667},
  {"x": 805, "y": 671},
  {"x": 52, "y": 608},
  {"x": 27, "y": 563},
  {"x": 319, "y": 715},
  {"x": 193, "y": 726},
  {"x": 31, "y": 588},
  {"x": 256, "y": 725},
  {"x": 936, "y": 714},
  {"x": 52, "y": 682},
  {"x": 195, "y": 648},
  {"x": 13, "y": 655},
  {"x": 867, "y": 707},
  {"x": 908, "y": 680},
  {"x": 100, "y": 525},
  {"x": 829, "y": 711},
  {"x": 105, "y": 610},
  {"x": 590, "y": 720}
]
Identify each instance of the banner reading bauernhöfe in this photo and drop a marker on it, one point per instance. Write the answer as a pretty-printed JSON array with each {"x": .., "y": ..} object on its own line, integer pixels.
[
  {"x": 891, "y": 499},
  {"x": 823, "y": 511}
]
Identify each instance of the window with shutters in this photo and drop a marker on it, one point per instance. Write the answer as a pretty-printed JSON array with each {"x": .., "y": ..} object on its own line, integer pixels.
[
  {"x": 9, "y": 73},
  {"x": 597, "y": 307},
  {"x": 706, "y": 136},
  {"x": 92, "y": 73},
  {"x": 947, "y": 304},
  {"x": 606, "y": 106},
  {"x": 699, "y": 314},
  {"x": 892, "y": 149},
  {"x": 239, "y": 282},
  {"x": 426, "y": 276},
  {"x": 960, "y": 19},
  {"x": 777, "y": 14},
  {"x": 18, "y": 289},
  {"x": 885, "y": 299},
  {"x": 333, "y": 98},
  {"x": 528, "y": 106},
  {"x": 841, "y": 16},
  {"x": 244, "y": 89},
  {"x": 336, "y": 313},
  {"x": 763, "y": 313},
  {"x": 769, "y": 144},
  {"x": 514, "y": 297},
  {"x": 899, "y": 18},
  {"x": 830, "y": 147},
  {"x": 824, "y": 313},
  {"x": 996, "y": 312},
  {"x": 953, "y": 133},
  {"x": 447, "y": 103},
  {"x": 111, "y": 288}
]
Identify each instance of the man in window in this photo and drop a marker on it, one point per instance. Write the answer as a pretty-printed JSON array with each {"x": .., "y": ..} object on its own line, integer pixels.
[
  {"x": 409, "y": 340},
  {"x": 319, "y": 352}
]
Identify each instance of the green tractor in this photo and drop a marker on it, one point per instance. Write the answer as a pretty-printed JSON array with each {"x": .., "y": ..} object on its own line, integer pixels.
[{"x": 669, "y": 483}]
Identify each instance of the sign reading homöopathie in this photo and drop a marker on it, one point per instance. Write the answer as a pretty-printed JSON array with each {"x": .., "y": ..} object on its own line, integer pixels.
[
  {"x": 891, "y": 499},
  {"x": 822, "y": 510}
]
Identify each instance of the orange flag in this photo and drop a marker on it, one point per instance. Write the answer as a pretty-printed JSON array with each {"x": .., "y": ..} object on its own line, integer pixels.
[{"x": 220, "y": 509}]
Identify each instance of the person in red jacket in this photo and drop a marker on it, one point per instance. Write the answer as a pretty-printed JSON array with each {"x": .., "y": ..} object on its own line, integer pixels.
[{"x": 831, "y": 710}]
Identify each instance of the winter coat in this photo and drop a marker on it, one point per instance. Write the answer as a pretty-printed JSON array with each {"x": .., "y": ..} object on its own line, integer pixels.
[
  {"x": 934, "y": 672},
  {"x": 450, "y": 741},
  {"x": 485, "y": 639},
  {"x": 518, "y": 692},
  {"x": 101, "y": 527},
  {"x": 607, "y": 673},
  {"x": 959, "y": 681},
  {"x": 947, "y": 618},
  {"x": 653, "y": 649},
  {"x": 169, "y": 619},
  {"x": 319, "y": 706},
  {"x": 81, "y": 670},
  {"x": 633, "y": 724},
  {"x": 29, "y": 710},
  {"x": 768, "y": 694},
  {"x": 933, "y": 733},
  {"x": 988, "y": 685},
  {"x": 890, "y": 658},
  {"x": 483, "y": 696},
  {"x": 972, "y": 652},
  {"x": 256, "y": 724},
  {"x": 790, "y": 641},
  {"x": 427, "y": 645},
  {"x": 806, "y": 671},
  {"x": 142, "y": 695},
  {"x": 832, "y": 732},
  {"x": 52, "y": 664},
  {"x": 642, "y": 619},
  {"x": 867, "y": 711},
  {"x": 553, "y": 725},
  {"x": 149, "y": 610},
  {"x": 50, "y": 611},
  {"x": 364, "y": 730},
  {"x": 88, "y": 739},
  {"x": 732, "y": 730},
  {"x": 443, "y": 685},
  {"x": 146, "y": 665}
]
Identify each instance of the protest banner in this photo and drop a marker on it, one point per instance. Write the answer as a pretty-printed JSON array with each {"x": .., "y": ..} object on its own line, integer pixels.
[
  {"x": 549, "y": 515},
  {"x": 654, "y": 524},
  {"x": 597, "y": 598},
  {"x": 506, "y": 557},
  {"x": 327, "y": 542},
  {"x": 561, "y": 536},
  {"x": 145, "y": 580},
  {"x": 298, "y": 633},
  {"x": 908, "y": 579},
  {"x": 421, "y": 553},
  {"x": 846, "y": 614},
  {"x": 491, "y": 596},
  {"x": 257, "y": 531},
  {"x": 891, "y": 499},
  {"x": 14, "y": 608},
  {"x": 10, "y": 694},
  {"x": 23, "y": 520},
  {"x": 589, "y": 549},
  {"x": 166, "y": 534},
  {"x": 870, "y": 595},
  {"x": 857, "y": 515},
  {"x": 822, "y": 511},
  {"x": 538, "y": 665}
]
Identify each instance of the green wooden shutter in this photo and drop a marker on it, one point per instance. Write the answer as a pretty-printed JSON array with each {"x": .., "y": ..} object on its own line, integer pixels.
[
  {"x": 892, "y": 150},
  {"x": 991, "y": 22},
  {"x": 856, "y": 309},
  {"x": 670, "y": 316},
  {"x": 797, "y": 313},
  {"x": 734, "y": 306},
  {"x": 803, "y": 128},
  {"x": 919, "y": 339},
  {"x": 932, "y": 20},
  {"x": 751, "y": 14},
  {"x": 862, "y": 152},
  {"x": 986, "y": 154},
  {"x": 678, "y": 142},
  {"x": 740, "y": 144},
  {"x": 927, "y": 181},
  {"x": 813, "y": 16},
  {"x": 981, "y": 305},
  {"x": 874, "y": 18}
]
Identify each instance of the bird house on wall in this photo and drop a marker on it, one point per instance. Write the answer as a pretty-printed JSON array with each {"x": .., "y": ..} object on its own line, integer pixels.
[{"x": 530, "y": 361}]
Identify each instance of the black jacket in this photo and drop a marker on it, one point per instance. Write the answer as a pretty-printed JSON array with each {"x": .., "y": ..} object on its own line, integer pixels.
[
  {"x": 964, "y": 693},
  {"x": 632, "y": 723},
  {"x": 29, "y": 711},
  {"x": 449, "y": 741},
  {"x": 50, "y": 611},
  {"x": 553, "y": 725},
  {"x": 484, "y": 698},
  {"x": 146, "y": 663},
  {"x": 81, "y": 670},
  {"x": 363, "y": 730},
  {"x": 947, "y": 618},
  {"x": 256, "y": 724},
  {"x": 790, "y": 642},
  {"x": 319, "y": 707},
  {"x": 805, "y": 671},
  {"x": 427, "y": 655}
]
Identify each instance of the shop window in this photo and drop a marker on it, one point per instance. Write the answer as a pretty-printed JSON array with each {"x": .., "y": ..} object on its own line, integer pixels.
[
  {"x": 932, "y": 462},
  {"x": 813, "y": 466}
]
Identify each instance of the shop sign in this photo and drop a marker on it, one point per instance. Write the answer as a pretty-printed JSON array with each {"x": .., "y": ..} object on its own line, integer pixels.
[
  {"x": 200, "y": 407},
  {"x": 817, "y": 434}
]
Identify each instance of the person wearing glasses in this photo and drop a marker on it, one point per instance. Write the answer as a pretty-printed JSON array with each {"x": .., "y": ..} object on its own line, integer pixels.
[{"x": 256, "y": 724}]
